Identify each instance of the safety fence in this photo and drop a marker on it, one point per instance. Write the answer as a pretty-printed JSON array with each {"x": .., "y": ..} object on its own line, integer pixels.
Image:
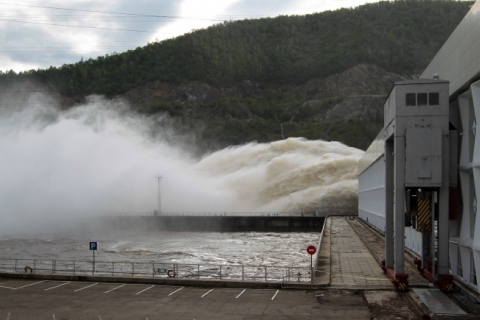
[{"x": 154, "y": 270}]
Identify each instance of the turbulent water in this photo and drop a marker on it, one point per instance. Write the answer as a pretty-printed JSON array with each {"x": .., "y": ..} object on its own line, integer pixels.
[
  {"x": 59, "y": 167},
  {"x": 250, "y": 248}
]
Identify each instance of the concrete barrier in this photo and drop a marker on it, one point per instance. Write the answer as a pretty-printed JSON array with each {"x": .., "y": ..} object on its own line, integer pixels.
[{"x": 159, "y": 281}]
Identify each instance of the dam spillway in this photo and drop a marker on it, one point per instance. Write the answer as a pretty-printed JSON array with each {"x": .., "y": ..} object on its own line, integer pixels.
[{"x": 219, "y": 223}]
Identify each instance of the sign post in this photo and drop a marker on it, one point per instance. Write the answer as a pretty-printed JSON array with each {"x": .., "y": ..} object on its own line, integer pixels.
[
  {"x": 311, "y": 251},
  {"x": 93, "y": 247}
]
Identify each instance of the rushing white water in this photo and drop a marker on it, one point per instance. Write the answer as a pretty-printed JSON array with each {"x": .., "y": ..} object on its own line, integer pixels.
[
  {"x": 63, "y": 166},
  {"x": 247, "y": 248}
]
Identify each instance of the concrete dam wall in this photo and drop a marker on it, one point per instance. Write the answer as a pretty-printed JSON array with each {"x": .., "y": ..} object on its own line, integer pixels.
[{"x": 216, "y": 223}]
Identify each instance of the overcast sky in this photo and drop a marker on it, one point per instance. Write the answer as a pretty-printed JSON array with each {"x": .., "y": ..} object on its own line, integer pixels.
[{"x": 39, "y": 34}]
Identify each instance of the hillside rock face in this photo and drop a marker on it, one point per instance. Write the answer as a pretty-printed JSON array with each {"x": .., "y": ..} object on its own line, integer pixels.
[
  {"x": 362, "y": 89},
  {"x": 355, "y": 107},
  {"x": 363, "y": 79}
]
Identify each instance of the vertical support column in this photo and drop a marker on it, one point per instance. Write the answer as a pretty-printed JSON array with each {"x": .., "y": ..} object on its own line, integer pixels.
[
  {"x": 443, "y": 231},
  {"x": 445, "y": 280},
  {"x": 443, "y": 208},
  {"x": 389, "y": 204},
  {"x": 399, "y": 205}
]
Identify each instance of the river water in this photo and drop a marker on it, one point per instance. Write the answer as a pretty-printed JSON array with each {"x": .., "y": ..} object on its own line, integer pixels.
[{"x": 218, "y": 248}]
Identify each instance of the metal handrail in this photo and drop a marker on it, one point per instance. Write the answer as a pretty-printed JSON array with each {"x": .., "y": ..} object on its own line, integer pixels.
[{"x": 159, "y": 269}]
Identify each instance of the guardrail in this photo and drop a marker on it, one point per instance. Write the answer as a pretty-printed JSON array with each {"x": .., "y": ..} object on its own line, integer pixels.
[
  {"x": 154, "y": 269},
  {"x": 215, "y": 214}
]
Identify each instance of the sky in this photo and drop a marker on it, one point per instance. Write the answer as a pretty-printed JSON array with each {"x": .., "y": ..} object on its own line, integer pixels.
[{"x": 39, "y": 34}]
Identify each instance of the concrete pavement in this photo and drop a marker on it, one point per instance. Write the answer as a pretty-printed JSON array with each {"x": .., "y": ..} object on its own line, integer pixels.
[
  {"x": 62, "y": 300},
  {"x": 352, "y": 264}
]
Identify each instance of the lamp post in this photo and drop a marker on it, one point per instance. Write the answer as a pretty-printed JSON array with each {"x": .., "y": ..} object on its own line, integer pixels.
[{"x": 159, "y": 209}]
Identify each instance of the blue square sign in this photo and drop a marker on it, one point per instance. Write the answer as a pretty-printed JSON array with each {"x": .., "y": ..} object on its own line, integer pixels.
[{"x": 93, "y": 246}]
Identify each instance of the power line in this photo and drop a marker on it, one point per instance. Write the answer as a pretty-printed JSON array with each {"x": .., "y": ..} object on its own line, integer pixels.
[
  {"x": 87, "y": 27},
  {"x": 111, "y": 12}
]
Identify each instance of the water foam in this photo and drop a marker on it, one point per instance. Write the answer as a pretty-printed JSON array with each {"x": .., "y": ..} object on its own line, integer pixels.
[{"x": 58, "y": 166}]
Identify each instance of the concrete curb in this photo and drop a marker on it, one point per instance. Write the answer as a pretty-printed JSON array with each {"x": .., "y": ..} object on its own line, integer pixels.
[
  {"x": 159, "y": 281},
  {"x": 322, "y": 272}
]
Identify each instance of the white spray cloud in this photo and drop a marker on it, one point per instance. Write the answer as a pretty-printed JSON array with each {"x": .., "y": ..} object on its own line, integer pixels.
[{"x": 63, "y": 166}]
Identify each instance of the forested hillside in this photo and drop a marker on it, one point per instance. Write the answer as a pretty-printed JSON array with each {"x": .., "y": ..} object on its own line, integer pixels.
[{"x": 268, "y": 69}]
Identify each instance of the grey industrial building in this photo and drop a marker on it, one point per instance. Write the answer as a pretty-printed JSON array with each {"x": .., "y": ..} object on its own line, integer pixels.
[{"x": 419, "y": 179}]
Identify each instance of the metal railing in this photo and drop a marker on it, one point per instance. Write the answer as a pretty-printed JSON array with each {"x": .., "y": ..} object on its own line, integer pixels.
[
  {"x": 215, "y": 214},
  {"x": 154, "y": 269}
]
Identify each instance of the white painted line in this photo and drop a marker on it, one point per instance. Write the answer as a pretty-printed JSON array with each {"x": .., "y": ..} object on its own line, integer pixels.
[
  {"x": 86, "y": 287},
  {"x": 58, "y": 286},
  {"x": 31, "y": 284},
  {"x": 207, "y": 293},
  {"x": 241, "y": 293},
  {"x": 7, "y": 288},
  {"x": 146, "y": 318},
  {"x": 175, "y": 291},
  {"x": 8, "y": 316},
  {"x": 53, "y": 317},
  {"x": 115, "y": 289},
  {"x": 275, "y": 294},
  {"x": 99, "y": 318},
  {"x": 145, "y": 289}
]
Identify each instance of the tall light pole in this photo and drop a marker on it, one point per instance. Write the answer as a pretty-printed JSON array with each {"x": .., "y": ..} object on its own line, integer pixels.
[{"x": 159, "y": 210}]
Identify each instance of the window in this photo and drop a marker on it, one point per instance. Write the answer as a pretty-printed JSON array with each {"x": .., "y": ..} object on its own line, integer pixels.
[
  {"x": 421, "y": 99},
  {"x": 459, "y": 264},
  {"x": 473, "y": 272},
  {"x": 433, "y": 99},
  {"x": 410, "y": 100}
]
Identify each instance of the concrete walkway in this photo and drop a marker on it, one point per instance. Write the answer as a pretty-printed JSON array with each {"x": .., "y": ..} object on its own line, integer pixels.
[{"x": 352, "y": 264}]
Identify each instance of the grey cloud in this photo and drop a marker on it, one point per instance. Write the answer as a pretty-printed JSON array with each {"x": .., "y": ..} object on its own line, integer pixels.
[{"x": 42, "y": 46}]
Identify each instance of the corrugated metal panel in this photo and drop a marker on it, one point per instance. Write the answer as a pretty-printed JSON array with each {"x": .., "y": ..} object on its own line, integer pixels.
[
  {"x": 459, "y": 59},
  {"x": 371, "y": 194},
  {"x": 373, "y": 153}
]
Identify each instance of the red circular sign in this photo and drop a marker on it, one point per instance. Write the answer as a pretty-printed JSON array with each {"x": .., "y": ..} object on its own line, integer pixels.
[{"x": 311, "y": 250}]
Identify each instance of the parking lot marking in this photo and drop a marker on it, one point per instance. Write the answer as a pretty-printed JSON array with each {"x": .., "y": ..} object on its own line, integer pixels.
[
  {"x": 241, "y": 293},
  {"x": 115, "y": 289},
  {"x": 31, "y": 284},
  {"x": 53, "y": 317},
  {"x": 8, "y": 316},
  {"x": 275, "y": 294},
  {"x": 85, "y": 287},
  {"x": 207, "y": 293},
  {"x": 58, "y": 286},
  {"x": 175, "y": 291},
  {"x": 145, "y": 289},
  {"x": 7, "y": 288}
]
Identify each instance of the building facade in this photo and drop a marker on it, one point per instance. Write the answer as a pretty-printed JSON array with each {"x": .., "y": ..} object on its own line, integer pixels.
[{"x": 457, "y": 62}]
